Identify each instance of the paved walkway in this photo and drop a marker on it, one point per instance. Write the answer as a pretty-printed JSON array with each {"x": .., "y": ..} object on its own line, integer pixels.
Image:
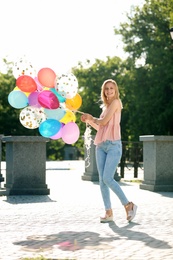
[{"x": 65, "y": 224}]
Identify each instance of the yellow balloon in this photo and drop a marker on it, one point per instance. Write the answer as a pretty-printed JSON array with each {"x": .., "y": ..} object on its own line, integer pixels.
[
  {"x": 18, "y": 89},
  {"x": 74, "y": 103},
  {"x": 68, "y": 117}
]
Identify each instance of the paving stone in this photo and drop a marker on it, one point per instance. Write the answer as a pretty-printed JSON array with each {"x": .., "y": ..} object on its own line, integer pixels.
[{"x": 65, "y": 224}]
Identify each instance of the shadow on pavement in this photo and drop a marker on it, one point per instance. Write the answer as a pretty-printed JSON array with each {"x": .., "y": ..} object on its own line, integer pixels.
[
  {"x": 72, "y": 240},
  {"x": 167, "y": 194},
  {"x": 67, "y": 241},
  {"x": 22, "y": 199},
  {"x": 138, "y": 236}
]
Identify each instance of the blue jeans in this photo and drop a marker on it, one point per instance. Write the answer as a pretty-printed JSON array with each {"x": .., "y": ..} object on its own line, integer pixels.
[{"x": 108, "y": 155}]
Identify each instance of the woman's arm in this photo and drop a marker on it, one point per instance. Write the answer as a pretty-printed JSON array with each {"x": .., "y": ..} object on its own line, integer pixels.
[
  {"x": 85, "y": 119},
  {"x": 114, "y": 106}
]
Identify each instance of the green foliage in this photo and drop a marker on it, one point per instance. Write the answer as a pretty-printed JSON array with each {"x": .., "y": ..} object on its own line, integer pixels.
[
  {"x": 43, "y": 258},
  {"x": 55, "y": 150},
  {"x": 35, "y": 258},
  {"x": 10, "y": 124},
  {"x": 150, "y": 86}
]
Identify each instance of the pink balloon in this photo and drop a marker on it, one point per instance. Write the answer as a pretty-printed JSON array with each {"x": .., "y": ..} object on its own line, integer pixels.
[
  {"x": 39, "y": 85},
  {"x": 33, "y": 99},
  {"x": 58, "y": 134},
  {"x": 70, "y": 133},
  {"x": 48, "y": 99},
  {"x": 47, "y": 77}
]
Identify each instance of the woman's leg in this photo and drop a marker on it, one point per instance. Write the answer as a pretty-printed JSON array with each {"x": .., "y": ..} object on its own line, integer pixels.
[
  {"x": 114, "y": 153},
  {"x": 100, "y": 160},
  {"x": 108, "y": 156}
]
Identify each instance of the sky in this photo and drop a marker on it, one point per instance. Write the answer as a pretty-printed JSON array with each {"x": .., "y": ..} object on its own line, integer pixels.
[{"x": 60, "y": 33}]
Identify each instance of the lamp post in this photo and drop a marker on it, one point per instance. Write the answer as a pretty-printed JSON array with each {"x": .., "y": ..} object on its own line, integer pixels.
[{"x": 171, "y": 32}]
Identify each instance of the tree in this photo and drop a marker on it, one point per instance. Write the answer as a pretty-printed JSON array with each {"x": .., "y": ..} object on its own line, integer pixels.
[{"x": 146, "y": 38}]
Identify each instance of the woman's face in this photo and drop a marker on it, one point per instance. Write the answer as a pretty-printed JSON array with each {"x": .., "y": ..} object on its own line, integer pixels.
[{"x": 109, "y": 90}]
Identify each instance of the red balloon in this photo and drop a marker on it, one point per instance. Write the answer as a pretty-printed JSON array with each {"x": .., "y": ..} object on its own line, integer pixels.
[
  {"x": 47, "y": 77},
  {"x": 26, "y": 84},
  {"x": 48, "y": 99}
]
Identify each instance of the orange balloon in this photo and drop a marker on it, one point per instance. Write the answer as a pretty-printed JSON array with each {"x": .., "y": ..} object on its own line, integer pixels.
[
  {"x": 74, "y": 103},
  {"x": 47, "y": 77}
]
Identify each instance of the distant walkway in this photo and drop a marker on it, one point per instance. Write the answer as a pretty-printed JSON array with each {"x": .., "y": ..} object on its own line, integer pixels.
[{"x": 80, "y": 166}]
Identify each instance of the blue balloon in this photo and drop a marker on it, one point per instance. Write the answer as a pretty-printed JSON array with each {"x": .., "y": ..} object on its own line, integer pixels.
[
  {"x": 60, "y": 98},
  {"x": 55, "y": 113},
  {"x": 49, "y": 127},
  {"x": 17, "y": 99}
]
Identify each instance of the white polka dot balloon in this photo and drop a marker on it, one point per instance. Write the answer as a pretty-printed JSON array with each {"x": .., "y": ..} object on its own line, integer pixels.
[
  {"x": 67, "y": 85},
  {"x": 23, "y": 67},
  {"x": 31, "y": 117}
]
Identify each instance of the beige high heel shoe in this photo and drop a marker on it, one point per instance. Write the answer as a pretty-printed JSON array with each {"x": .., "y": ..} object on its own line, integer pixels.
[
  {"x": 108, "y": 216},
  {"x": 131, "y": 209}
]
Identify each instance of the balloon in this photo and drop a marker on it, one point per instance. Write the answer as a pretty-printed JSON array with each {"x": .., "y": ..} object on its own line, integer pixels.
[
  {"x": 16, "y": 88},
  {"x": 49, "y": 127},
  {"x": 55, "y": 113},
  {"x": 48, "y": 99},
  {"x": 67, "y": 93},
  {"x": 26, "y": 84},
  {"x": 47, "y": 77},
  {"x": 70, "y": 133},
  {"x": 67, "y": 85},
  {"x": 74, "y": 103},
  {"x": 23, "y": 67},
  {"x": 60, "y": 98},
  {"x": 26, "y": 93},
  {"x": 68, "y": 117},
  {"x": 32, "y": 117},
  {"x": 17, "y": 99},
  {"x": 57, "y": 135},
  {"x": 33, "y": 99},
  {"x": 39, "y": 86}
]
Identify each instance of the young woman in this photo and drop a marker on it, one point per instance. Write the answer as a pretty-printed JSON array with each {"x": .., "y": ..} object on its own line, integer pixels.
[{"x": 109, "y": 148}]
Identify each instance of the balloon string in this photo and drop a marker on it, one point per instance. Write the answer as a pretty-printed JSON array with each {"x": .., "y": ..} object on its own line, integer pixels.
[
  {"x": 87, "y": 143},
  {"x": 80, "y": 112}
]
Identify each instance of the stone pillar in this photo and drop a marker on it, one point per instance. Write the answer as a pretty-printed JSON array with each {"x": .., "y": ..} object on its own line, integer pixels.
[
  {"x": 26, "y": 165},
  {"x": 1, "y": 177},
  {"x": 158, "y": 163},
  {"x": 91, "y": 173}
]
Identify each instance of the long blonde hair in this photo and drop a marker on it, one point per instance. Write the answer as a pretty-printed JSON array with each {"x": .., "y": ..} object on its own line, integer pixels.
[{"x": 103, "y": 96}]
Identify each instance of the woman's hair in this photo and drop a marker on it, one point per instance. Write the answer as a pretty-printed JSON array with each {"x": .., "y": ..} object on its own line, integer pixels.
[{"x": 103, "y": 97}]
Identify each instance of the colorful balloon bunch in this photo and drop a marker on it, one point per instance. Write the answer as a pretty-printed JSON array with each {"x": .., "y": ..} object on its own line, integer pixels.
[{"x": 47, "y": 101}]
